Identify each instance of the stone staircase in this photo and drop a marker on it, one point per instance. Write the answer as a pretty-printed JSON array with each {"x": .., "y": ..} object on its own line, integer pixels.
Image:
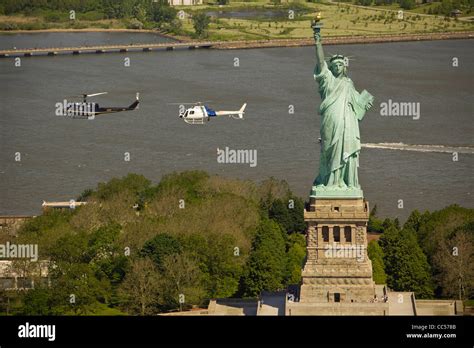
[
  {"x": 272, "y": 303},
  {"x": 401, "y": 303}
]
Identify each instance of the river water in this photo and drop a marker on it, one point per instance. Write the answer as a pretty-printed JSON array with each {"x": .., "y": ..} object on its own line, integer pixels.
[
  {"x": 61, "y": 157},
  {"x": 75, "y": 39}
]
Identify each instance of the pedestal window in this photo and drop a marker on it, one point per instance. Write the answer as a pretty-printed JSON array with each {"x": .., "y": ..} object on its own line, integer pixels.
[
  {"x": 337, "y": 234},
  {"x": 325, "y": 234},
  {"x": 348, "y": 234}
]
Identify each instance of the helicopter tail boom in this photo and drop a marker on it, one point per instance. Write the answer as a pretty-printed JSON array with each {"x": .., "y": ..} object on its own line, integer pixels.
[
  {"x": 134, "y": 105},
  {"x": 239, "y": 113}
]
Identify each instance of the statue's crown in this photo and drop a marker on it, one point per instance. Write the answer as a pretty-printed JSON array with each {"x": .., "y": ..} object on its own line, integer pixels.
[{"x": 336, "y": 57}]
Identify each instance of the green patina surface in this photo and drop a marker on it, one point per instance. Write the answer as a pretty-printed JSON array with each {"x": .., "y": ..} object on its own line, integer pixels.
[{"x": 341, "y": 110}]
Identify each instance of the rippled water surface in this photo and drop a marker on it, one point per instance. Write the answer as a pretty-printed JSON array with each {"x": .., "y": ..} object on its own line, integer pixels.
[{"x": 61, "y": 157}]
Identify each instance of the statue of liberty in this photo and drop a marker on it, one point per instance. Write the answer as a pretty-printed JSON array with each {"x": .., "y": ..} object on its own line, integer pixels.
[{"x": 342, "y": 107}]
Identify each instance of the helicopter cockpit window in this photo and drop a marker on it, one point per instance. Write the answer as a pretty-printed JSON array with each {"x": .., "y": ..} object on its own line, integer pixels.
[{"x": 191, "y": 112}]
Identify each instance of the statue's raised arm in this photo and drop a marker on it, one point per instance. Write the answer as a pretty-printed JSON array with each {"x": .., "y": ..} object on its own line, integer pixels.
[{"x": 319, "y": 52}]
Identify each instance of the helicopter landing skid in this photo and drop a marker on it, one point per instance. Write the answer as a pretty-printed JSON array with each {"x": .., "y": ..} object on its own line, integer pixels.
[{"x": 194, "y": 120}]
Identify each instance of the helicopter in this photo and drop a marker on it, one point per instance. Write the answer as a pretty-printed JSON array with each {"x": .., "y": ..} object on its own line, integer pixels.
[
  {"x": 89, "y": 110},
  {"x": 199, "y": 112}
]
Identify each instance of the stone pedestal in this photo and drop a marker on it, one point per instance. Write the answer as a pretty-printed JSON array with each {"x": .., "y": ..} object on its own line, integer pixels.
[{"x": 337, "y": 267}]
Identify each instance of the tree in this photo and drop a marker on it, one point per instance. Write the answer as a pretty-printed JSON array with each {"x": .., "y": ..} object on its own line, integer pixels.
[
  {"x": 140, "y": 287},
  {"x": 192, "y": 182},
  {"x": 407, "y": 4},
  {"x": 376, "y": 255},
  {"x": 140, "y": 13},
  {"x": 201, "y": 24},
  {"x": 296, "y": 246},
  {"x": 75, "y": 288},
  {"x": 454, "y": 259},
  {"x": 159, "y": 247},
  {"x": 446, "y": 7},
  {"x": 413, "y": 221},
  {"x": 106, "y": 257},
  {"x": 440, "y": 225},
  {"x": 280, "y": 213},
  {"x": 38, "y": 301},
  {"x": 161, "y": 12},
  {"x": 180, "y": 282},
  {"x": 289, "y": 214},
  {"x": 117, "y": 8},
  {"x": 81, "y": 269},
  {"x": 406, "y": 265},
  {"x": 176, "y": 27},
  {"x": 267, "y": 263},
  {"x": 271, "y": 189},
  {"x": 220, "y": 262},
  {"x": 375, "y": 224},
  {"x": 133, "y": 183}
]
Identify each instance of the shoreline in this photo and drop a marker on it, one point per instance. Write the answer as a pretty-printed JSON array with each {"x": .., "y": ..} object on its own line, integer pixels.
[
  {"x": 345, "y": 40},
  {"x": 92, "y": 30},
  {"x": 229, "y": 45},
  {"x": 245, "y": 44},
  {"x": 89, "y": 30}
]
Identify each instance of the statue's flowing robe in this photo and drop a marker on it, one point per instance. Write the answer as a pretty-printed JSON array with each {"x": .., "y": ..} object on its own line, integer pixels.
[{"x": 341, "y": 109}]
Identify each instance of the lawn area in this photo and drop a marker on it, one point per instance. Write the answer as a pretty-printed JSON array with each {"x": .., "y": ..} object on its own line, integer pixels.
[
  {"x": 469, "y": 303},
  {"x": 419, "y": 9},
  {"x": 339, "y": 19},
  {"x": 261, "y": 19},
  {"x": 21, "y": 22}
]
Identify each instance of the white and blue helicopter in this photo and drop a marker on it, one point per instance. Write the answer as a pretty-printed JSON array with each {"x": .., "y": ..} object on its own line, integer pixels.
[{"x": 199, "y": 113}]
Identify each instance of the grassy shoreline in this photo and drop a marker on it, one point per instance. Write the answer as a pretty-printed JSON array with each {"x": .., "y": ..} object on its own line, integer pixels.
[
  {"x": 339, "y": 19},
  {"x": 86, "y": 30}
]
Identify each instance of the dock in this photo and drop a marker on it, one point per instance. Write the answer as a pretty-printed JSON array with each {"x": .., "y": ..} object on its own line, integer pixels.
[
  {"x": 239, "y": 44},
  {"x": 54, "y": 51},
  {"x": 61, "y": 205}
]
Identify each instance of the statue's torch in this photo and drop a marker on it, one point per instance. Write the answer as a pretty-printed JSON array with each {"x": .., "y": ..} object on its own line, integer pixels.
[{"x": 316, "y": 24}]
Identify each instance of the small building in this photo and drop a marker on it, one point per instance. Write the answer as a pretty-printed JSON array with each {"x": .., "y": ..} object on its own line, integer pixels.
[
  {"x": 11, "y": 224},
  {"x": 455, "y": 13},
  {"x": 15, "y": 277},
  {"x": 184, "y": 2}
]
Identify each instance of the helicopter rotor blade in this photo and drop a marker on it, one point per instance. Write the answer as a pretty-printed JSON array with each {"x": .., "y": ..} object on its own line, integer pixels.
[
  {"x": 86, "y": 95},
  {"x": 94, "y": 94},
  {"x": 193, "y": 103}
]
